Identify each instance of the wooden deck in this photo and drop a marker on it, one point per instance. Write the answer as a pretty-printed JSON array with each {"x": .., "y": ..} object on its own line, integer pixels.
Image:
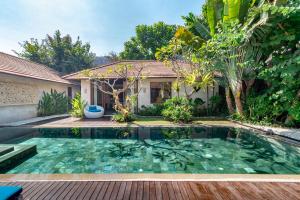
[{"x": 177, "y": 190}]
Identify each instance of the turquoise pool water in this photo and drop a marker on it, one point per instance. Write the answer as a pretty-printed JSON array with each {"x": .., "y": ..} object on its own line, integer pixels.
[{"x": 154, "y": 150}]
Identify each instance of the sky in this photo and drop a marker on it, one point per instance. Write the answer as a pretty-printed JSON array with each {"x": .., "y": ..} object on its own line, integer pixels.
[{"x": 105, "y": 24}]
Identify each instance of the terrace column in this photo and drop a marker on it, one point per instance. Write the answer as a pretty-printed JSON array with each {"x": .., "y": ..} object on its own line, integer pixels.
[{"x": 86, "y": 91}]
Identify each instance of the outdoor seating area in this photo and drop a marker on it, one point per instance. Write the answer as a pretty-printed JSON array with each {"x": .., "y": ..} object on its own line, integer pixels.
[{"x": 93, "y": 112}]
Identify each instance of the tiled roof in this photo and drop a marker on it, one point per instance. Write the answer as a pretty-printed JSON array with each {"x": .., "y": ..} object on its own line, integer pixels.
[
  {"x": 17, "y": 66},
  {"x": 151, "y": 69}
]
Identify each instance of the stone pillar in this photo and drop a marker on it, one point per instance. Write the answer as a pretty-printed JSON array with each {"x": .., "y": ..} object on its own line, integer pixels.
[{"x": 86, "y": 91}]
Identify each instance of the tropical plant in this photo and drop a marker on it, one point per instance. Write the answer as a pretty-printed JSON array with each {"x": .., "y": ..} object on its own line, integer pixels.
[
  {"x": 153, "y": 110},
  {"x": 52, "y": 103},
  {"x": 178, "y": 109},
  {"x": 119, "y": 117},
  {"x": 58, "y": 52},
  {"x": 78, "y": 105},
  {"x": 129, "y": 75},
  {"x": 148, "y": 38}
]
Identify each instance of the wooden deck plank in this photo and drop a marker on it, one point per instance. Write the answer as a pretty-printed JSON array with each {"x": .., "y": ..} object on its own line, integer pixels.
[
  {"x": 164, "y": 191},
  {"x": 37, "y": 193},
  {"x": 133, "y": 191},
  {"x": 60, "y": 191},
  {"x": 115, "y": 190},
  {"x": 109, "y": 190},
  {"x": 188, "y": 190},
  {"x": 139, "y": 192},
  {"x": 158, "y": 190},
  {"x": 287, "y": 188},
  {"x": 99, "y": 187},
  {"x": 146, "y": 191},
  {"x": 127, "y": 190},
  {"x": 83, "y": 193},
  {"x": 121, "y": 191},
  {"x": 54, "y": 190},
  {"x": 176, "y": 191},
  {"x": 152, "y": 192},
  {"x": 182, "y": 190},
  {"x": 246, "y": 191},
  {"x": 28, "y": 187},
  {"x": 79, "y": 189},
  {"x": 171, "y": 191},
  {"x": 72, "y": 190},
  {"x": 67, "y": 190},
  {"x": 91, "y": 190}
]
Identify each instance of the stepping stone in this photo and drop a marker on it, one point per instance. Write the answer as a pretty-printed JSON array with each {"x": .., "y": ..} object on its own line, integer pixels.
[{"x": 5, "y": 149}]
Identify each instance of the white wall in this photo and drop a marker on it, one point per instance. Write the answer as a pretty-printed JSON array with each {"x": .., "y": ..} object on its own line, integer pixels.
[
  {"x": 144, "y": 95},
  {"x": 86, "y": 91},
  {"x": 19, "y": 96}
]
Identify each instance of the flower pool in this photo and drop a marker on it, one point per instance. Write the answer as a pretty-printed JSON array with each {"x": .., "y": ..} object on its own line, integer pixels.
[{"x": 198, "y": 150}]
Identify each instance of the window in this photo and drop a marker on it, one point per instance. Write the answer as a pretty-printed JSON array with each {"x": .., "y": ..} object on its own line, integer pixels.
[{"x": 159, "y": 92}]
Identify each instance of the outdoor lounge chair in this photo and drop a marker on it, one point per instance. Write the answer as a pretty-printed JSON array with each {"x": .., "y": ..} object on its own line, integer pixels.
[
  {"x": 10, "y": 192},
  {"x": 93, "y": 111}
]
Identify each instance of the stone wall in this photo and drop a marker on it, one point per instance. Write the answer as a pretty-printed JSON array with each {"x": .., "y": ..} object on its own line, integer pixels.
[{"x": 19, "y": 96}]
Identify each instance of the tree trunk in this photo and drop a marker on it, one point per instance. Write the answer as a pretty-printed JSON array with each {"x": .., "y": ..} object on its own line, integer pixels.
[
  {"x": 238, "y": 101},
  {"x": 118, "y": 106},
  {"x": 229, "y": 101}
]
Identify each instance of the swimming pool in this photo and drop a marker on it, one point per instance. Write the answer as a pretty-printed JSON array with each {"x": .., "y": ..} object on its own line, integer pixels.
[{"x": 198, "y": 150}]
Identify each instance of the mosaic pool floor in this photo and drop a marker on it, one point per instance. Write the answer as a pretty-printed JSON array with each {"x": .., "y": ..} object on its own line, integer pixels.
[{"x": 157, "y": 150}]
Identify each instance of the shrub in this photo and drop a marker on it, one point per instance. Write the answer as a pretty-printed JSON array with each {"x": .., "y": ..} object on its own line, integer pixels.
[
  {"x": 178, "y": 109},
  {"x": 198, "y": 108},
  {"x": 154, "y": 110},
  {"x": 217, "y": 105},
  {"x": 52, "y": 103},
  {"x": 78, "y": 105},
  {"x": 119, "y": 117}
]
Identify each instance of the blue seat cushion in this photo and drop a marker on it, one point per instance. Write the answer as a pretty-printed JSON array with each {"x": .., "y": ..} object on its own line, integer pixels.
[
  {"x": 91, "y": 108},
  {"x": 97, "y": 110},
  {"x": 9, "y": 192}
]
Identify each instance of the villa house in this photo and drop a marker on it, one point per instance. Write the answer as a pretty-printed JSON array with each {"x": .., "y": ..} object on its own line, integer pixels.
[
  {"x": 22, "y": 84},
  {"x": 154, "y": 89}
]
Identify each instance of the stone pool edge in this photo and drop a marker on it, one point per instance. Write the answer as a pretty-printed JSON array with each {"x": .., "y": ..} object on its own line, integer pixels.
[{"x": 150, "y": 177}]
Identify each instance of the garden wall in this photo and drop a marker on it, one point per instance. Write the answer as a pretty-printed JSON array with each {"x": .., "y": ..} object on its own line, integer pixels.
[{"x": 19, "y": 96}]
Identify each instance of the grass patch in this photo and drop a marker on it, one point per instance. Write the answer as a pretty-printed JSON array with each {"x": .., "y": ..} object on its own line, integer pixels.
[
  {"x": 157, "y": 121},
  {"x": 151, "y": 121}
]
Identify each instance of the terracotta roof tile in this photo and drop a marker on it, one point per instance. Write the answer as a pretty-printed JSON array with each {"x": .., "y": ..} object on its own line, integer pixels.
[
  {"x": 17, "y": 66},
  {"x": 150, "y": 69}
]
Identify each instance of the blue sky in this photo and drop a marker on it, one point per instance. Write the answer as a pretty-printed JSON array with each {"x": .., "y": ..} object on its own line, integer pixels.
[{"x": 106, "y": 24}]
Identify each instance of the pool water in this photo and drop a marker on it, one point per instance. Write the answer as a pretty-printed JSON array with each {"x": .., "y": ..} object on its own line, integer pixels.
[{"x": 154, "y": 150}]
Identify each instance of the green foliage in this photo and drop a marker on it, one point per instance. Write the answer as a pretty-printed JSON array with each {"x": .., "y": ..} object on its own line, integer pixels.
[
  {"x": 148, "y": 38},
  {"x": 52, "y": 103},
  {"x": 154, "y": 110},
  {"x": 279, "y": 102},
  {"x": 58, "y": 52},
  {"x": 78, "y": 105},
  {"x": 198, "y": 108},
  {"x": 216, "y": 104},
  {"x": 178, "y": 109},
  {"x": 119, "y": 117}
]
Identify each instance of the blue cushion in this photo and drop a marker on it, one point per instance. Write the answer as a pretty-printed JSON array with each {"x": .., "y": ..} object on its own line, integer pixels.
[
  {"x": 7, "y": 192},
  {"x": 92, "y": 108},
  {"x": 97, "y": 110}
]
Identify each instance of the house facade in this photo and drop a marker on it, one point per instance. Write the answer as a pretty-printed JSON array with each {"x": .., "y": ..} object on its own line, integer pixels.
[
  {"x": 155, "y": 88},
  {"x": 22, "y": 84}
]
